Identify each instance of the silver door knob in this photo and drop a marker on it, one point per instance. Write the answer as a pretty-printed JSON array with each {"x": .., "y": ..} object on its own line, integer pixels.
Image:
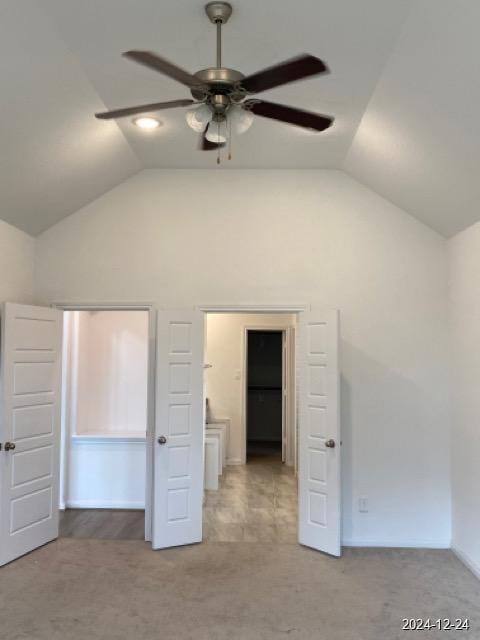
[
  {"x": 330, "y": 443},
  {"x": 9, "y": 446},
  {"x": 162, "y": 440}
]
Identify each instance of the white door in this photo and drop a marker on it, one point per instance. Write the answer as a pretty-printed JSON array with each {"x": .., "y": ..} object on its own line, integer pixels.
[
  {"x": 30, "y": 377},
  {"x": 284, "y": 396},
  {"x": 290, "y": 404},
  {"x": 179, "y": 433},
  {"x": 319, "y": 445},
  {"x": 152, "y": 346}
]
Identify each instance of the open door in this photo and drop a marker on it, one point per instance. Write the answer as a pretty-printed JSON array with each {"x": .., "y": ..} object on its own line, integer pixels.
[
  {"x": 149, "y": 450},
  {"x": 30, "y": 379},
  {"x": 284, "y": 396},
  {"x": 319, "y": 442},
  {"x": 179, "y": 431}
]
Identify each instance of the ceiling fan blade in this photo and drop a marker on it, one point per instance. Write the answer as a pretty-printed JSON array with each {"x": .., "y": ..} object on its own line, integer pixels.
[
  {"x": 290, "y": 115},
  {"x": 294, "y": 69},
  {"x": 206, "y": 145},
  {"x": 151, "y": 60},
  {"x": 144, "y": 108}
]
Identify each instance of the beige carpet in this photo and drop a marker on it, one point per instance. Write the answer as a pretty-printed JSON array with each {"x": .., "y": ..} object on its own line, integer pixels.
[{"x": 114, "y": 590}]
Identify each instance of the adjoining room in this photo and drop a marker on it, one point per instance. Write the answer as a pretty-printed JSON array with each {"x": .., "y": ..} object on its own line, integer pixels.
[
  {"x": 250, "y": 406},
  {"x": 104, "y": 426}
]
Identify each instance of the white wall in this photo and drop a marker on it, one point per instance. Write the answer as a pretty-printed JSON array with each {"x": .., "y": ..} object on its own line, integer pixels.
[
  {"x": 105, "y": 474},
  {"x": 112, "y": 369},
  {"x": 464, "y": 254},
  {"x": 225, "y": 352},
  {"x": 17, "y": 252},
  {"x": 106, "y": 377},
  {"x": 317, "y": 237}
]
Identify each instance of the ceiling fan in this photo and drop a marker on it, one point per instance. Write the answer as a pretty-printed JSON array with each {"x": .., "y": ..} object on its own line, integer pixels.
[{"x": 220, "y": 94}]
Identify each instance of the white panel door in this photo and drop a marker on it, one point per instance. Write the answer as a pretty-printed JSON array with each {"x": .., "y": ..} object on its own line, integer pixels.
[
  {"x": 284, "y": 396},
  {"x": 179, "y": 432},
  {"x": 30, "y": 379},
  {"x": 152, "y": 346},
  {"x": 319, "y": 445}
]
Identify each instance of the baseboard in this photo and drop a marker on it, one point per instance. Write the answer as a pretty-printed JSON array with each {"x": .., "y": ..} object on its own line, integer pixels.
[
  {"x": 467, "y": 561},
  {"x": 408, "y": 543},
  {"x": 105, "y": 504},
  {"x": 234, "y": 461}
]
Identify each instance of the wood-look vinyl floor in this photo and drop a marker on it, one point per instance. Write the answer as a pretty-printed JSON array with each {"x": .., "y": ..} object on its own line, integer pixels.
[
  {"x": 104, "y": 524},
  {"x": 256, "y": 502}
]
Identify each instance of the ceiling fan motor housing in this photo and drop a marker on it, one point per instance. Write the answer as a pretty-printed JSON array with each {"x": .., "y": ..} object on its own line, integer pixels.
[{"x": 220, "y": 81}]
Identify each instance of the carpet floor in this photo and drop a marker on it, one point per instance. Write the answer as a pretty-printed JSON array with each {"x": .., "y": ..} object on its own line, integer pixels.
[{"x": 76, "y": 589}]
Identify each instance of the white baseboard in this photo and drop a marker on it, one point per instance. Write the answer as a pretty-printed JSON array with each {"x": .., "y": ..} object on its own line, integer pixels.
[
  {"x": 467, "y": 561},
  {"x": 103, "y": 504},
  {"x": 409, "y": 543},
  {"x": 234, "y": 461}
]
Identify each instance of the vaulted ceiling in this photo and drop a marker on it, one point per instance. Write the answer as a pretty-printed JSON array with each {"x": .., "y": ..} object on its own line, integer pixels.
[
  {"x": 403, "y": 88},
  {"x": 419, "y": 140}
]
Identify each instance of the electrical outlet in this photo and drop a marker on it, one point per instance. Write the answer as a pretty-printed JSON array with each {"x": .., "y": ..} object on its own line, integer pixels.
[{"x": 363, "y": 505}]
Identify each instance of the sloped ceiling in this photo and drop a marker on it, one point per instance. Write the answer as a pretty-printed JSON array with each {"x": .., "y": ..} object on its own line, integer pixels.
[
  {"x": 419, "y": 141},
  {"x": 55, "y": 157},
  {"x": 403, "y": 88}
]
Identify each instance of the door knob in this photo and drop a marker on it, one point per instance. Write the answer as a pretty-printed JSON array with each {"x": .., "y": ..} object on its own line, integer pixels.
[
  {"x": 162, "y": 440},
  {"x": 330, "y": 443},
  {"x": 9, "y": 446}
]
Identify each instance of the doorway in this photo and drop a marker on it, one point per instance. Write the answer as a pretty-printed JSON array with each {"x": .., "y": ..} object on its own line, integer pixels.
[
  {"x": 180, "y": 438},
  {"x": 105, "y": 388},
  {"x": 248, "y": 398},
  {"x": 30, "y": 389},
  {"x": 264, "y": 391}
]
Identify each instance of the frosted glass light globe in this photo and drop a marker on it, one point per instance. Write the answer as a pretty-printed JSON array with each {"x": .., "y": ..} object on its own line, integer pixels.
[
  {"x": 198, "y": 118},
  {"x": 240, "y": 118},
  {"x": 217, "y": 133}
]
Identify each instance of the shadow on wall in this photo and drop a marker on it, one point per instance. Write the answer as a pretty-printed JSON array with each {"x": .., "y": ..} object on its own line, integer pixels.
[
  {"x": 346, "y": 437},
  {"x": 394, "y": 452}
]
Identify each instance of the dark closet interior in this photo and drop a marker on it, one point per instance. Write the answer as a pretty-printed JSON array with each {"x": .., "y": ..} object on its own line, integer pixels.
[{"x": 264, "y": 393}]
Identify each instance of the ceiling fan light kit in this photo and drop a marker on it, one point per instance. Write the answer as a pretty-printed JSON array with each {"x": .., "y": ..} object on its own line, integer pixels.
[
  {"x": 218, "y": 133},
  {"x": 198, "y": 119},
  {"x": 220, "y": 103}
]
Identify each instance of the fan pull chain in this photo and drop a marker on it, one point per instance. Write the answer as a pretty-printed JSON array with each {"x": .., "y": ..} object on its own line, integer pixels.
[
  {"x": 218, "y": 143},
  {"x": 229, "y": 138}
]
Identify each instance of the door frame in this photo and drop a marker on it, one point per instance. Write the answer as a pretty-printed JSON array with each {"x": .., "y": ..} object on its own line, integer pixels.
[
  {"x": 150, "y": 308},
  {"x": 298, "y": 310},
  {"x": 288, "y": 390},
  {"x": 269, "y": 309}
]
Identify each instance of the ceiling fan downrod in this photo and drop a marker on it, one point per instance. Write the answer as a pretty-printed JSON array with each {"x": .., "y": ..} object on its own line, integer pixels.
[
  {"x": 219, "y": 13},
  {"x": 219, "y": 44}
]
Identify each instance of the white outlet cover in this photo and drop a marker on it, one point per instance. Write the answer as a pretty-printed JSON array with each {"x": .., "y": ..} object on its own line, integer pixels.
[{"x": 363, "y": 505}]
